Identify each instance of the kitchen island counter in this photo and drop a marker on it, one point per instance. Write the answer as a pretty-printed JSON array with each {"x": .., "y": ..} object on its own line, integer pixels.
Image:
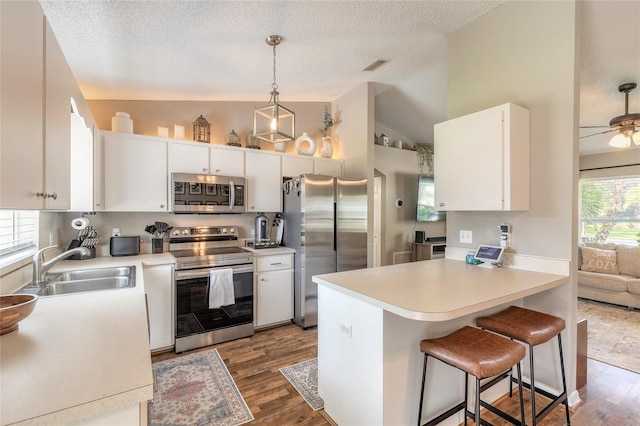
[
  {"x": 371, "y": 322},
  {"x": 81, "y": 355}
]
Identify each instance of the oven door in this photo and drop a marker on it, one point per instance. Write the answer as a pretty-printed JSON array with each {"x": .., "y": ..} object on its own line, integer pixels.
[{"x": 193, "y": 315}]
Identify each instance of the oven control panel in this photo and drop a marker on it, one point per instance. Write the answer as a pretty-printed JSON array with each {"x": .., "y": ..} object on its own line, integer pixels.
[{"x": 205, "y": 231}]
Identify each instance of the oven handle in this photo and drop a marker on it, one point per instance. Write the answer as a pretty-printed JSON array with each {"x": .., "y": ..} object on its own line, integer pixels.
[{"x": 201, "y": 273}]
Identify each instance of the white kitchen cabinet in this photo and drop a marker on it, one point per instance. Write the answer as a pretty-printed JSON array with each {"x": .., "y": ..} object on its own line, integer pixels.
[
  {"x": 274, "y": 289},
  {"x": 158, "y": 285},
  {"x": 327, "y": 166},
  {"x": 34, "y": 117},
  {"x": 264, "y": 182},
  {"x": 135, "y": 173},
  {"x": 482, "y": 160},
  {"x": 226, "y": 161},
  {"x": 296, "y": 165},
  {"x": 188, "y": 158}
]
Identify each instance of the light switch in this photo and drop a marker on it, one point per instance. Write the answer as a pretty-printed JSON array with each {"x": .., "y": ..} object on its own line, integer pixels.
[{"x": 466, "y": 237}]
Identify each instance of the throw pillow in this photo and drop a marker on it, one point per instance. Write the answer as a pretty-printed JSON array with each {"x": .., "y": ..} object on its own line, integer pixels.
[
  {"x": 628, "y": 259},
  {"x": 602, "y": 261}
]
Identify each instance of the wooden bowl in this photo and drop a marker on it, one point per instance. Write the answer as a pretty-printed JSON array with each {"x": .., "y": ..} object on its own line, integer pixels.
[{"x": 13, "y": 309}]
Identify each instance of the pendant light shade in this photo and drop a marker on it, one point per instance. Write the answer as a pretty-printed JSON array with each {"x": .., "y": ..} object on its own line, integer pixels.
[{"x": 273, "y": 122}]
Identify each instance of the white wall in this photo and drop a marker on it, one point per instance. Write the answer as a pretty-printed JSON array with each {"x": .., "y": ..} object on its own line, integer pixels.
[{"x": 526, "y": 53}]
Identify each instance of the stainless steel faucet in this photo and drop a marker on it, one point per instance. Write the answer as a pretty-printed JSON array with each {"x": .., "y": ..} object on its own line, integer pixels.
[{"x": 40, "y": 267}]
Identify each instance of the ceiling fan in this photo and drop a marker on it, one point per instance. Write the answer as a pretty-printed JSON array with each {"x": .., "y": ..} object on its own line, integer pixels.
[{"x": 624, "y": 124}]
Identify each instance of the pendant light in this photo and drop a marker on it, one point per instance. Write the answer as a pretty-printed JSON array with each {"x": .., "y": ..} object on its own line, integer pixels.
[{"x": 274, "y": 123}]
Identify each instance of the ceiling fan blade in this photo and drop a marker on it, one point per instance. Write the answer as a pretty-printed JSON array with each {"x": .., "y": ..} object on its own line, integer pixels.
[
  {"x": 594, "y": 127},
  {"x": 599, "y": 133}
]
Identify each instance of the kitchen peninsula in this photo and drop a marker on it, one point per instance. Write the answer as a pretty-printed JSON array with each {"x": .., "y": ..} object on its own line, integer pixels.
[{"x": 371, "y": 322}]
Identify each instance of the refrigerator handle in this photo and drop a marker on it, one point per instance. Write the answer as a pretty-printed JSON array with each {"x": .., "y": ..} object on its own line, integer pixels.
[{"x": 335, "y": 227}]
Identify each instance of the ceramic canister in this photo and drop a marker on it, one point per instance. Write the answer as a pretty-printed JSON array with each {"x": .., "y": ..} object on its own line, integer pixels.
[{"x": 121, "y": 123}]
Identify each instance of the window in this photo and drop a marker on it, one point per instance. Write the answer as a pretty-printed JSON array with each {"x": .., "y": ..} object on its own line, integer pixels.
[
  {"x": 610, "y": 209},
  {"x": 18, "y": 233}
]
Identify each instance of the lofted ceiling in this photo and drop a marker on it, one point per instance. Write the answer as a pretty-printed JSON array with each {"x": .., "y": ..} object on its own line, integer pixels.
[{"x": 215, "y": 50}]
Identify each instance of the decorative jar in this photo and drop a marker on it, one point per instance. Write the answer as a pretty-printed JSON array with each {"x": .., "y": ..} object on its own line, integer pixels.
[
  {"x": 121, "y": 123},
  {"x": 326, "y": 150}
]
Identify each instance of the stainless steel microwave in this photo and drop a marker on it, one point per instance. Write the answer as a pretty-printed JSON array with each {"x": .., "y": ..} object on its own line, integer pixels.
[{"x": 192, "y": 193}]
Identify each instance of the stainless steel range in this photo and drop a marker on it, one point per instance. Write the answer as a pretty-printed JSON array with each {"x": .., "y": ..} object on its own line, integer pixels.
[{"x": 206, "y": 255}]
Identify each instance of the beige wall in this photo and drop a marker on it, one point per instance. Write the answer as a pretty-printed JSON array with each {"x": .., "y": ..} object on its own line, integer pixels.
[
  {"x": 526, "y": 53},
  {"x": 622, "y": 157},
  {"x": 222, "y": 115}
]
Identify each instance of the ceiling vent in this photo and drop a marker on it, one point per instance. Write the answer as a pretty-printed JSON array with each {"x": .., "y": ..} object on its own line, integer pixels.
[{"x": 375, "y": 65}]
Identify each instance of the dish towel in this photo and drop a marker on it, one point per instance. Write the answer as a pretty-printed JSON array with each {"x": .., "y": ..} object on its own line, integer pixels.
[{"x": 221, "y": 288}]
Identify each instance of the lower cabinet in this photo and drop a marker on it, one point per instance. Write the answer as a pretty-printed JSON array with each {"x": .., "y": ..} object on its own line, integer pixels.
[
  {"x": 158, "y": 285},
  {"x": 274, "y": 289}
]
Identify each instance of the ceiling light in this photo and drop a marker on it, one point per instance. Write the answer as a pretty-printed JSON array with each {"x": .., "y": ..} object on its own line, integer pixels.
[
  {"x": 622, "y": 139},
  {"x": 274, "y": 123},
  {"x": 636, "y": 137}
]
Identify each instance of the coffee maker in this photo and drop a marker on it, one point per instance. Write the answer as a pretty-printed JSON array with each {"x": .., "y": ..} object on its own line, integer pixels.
[
  {"x": 277, "y": 229},
  {"x": 262, "y": 228}
]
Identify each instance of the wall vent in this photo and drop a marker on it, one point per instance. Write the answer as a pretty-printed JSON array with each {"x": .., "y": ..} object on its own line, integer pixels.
[{"x": 401, "y": 257}]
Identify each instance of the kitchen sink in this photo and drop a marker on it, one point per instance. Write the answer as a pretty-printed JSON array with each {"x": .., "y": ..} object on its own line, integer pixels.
[{"x": 84, "y": 280}]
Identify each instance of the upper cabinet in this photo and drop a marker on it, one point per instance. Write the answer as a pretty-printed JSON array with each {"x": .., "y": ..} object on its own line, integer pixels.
[
  {"x": 481, "y": 161},
  {"x": 199, "y": 158},
  {"x": 135, "y": 173},
  {"x": 263, "y": 182},
  {"x": 22, "y": 105},
  {"x": 36, "y": 90},
  {"x": 226, "y": 161}
]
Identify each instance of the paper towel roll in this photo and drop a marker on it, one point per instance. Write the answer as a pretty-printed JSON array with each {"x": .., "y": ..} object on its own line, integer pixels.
[{"x": 79, "y": 223}]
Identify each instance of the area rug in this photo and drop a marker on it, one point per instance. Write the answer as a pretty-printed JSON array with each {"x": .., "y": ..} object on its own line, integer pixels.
[
  {"x": 197, "y": 389},
  {"x": 613, "y": 333},
  {"x": 304, "y": 377}
]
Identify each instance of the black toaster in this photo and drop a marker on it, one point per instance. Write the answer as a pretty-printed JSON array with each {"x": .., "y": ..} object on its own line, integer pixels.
[{"x": 124, "y": 246}]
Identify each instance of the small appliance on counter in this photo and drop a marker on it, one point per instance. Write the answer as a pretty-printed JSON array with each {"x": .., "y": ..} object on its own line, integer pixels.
[
  {"x": 124, "y": 246},
  {"x": 277, "y": 228},
  {"x": 262, "y": 228}
]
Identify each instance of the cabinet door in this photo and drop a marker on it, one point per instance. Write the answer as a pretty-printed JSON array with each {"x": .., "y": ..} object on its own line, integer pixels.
[
  {"x": 328, "y": 167},
  {"x": 296, "y": 165},
  {"x": 468, "y": 162},
  {"x": 226, "y": 162},
  {"x": 158, "y": 285},
  {"x": 58, "y": 80},
  {"x": 135, "y": 173},
  {"x": 188, "y": 158},
  {"x": 275, "y": 297},
  {"x": 21, "y": 117},
  {"x": 263, "y": 182}
]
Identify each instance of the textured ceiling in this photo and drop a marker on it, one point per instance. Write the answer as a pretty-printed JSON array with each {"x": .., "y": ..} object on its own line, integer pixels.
[{"x": 215, "y": 50}]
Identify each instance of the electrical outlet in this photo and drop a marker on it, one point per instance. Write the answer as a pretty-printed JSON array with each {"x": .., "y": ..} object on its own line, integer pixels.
[
  {"x": 345, "y": 327},
  {"x": 466, "y": 237}
]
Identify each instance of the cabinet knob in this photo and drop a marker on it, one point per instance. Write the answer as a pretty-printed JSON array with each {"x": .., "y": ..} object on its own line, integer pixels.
[
  {"x": 204, "y": 169},
  {"x": 218, "y": 170},
  {"x": 261, "y": 279},
  {"x": 441, "y": 204},
  {"x": 46, "y": 195},
  {"x": 98, "y": 205},
  {"x": 162, "y": 206}
]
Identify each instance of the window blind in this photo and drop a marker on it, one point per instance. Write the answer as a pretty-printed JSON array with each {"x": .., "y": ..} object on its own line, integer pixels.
[{"x": 18, "y": 231}]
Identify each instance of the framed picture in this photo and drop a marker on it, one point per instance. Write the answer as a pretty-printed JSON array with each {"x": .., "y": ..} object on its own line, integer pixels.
[
  {"x": 179, "y": 188},
  {"x": 224, "y": 190},
  {"x": 211, "y": 203},
  {"x": 194, "y": 203},
  {"x": 195, "y": 188},
  {"x": 210, "y": 189},
  {"x": 180, "y": 202}
]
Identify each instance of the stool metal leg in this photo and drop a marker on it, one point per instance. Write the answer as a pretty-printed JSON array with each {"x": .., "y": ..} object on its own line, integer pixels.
[
  {"x": 477, "y": 402},
  {"x": 522, "y": 418},
  {"x": 424, "y": 376},
  {"x": 466, "y": 396},
  {"x": 564, "y": 382},
  {"x": 534, "y": 421}
]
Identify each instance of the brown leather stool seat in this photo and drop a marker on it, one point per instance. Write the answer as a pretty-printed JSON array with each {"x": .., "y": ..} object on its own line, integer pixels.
[
  {"x": 533, "y": 328},
  {"x": 476, "y": 352}
]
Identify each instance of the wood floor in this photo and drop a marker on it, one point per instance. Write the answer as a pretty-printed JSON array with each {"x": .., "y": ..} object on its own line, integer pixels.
[{"x": 610, "y": 398}]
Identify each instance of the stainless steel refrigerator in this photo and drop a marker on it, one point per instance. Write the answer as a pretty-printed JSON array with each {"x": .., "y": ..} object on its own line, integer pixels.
[{"x": 325, "y": 221}]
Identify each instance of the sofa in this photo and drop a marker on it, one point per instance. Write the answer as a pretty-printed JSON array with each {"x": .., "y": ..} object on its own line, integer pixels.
[{"x": 610, "y": 272}]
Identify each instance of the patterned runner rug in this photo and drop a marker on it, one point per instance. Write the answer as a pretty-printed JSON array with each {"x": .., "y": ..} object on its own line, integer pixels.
[
  {"x": 304, "y": 377},
  {"x": 613, "y": 333},
  {"x": 197, "y": 389}
]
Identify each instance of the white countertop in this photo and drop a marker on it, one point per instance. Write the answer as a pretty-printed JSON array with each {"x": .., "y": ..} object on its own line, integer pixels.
[
  {"x": 438, "y": 290},
  {"x": 269, "y": 251},
  {"x": 79, "y": 355}
]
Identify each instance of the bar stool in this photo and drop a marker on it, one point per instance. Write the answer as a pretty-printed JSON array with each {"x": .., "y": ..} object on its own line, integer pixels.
[
  {"x": 481, "y": 354},
  {"x": 533, "y": 328}
]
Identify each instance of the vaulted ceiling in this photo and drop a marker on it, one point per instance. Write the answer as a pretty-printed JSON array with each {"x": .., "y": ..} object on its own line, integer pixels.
[{"x": 215, "y": 50}]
